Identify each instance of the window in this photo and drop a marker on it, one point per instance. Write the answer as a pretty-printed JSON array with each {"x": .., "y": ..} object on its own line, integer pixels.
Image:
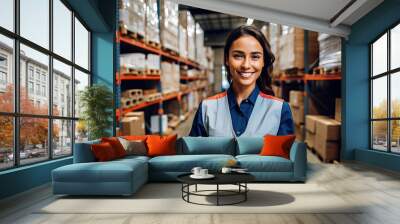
[
  {"x": 385, "y": 96},
  {"x": 30, "y": 73},
  {"x": 3, "y": 78},
  {"x": 7, "y": 14},
  {"x": 44, "y": 91},
  {"x": 30, "y": 87},
  {"x": 44, "y": 108},
  {"x": 3, "y": 71},
  {"x": 38, "y": 89}
]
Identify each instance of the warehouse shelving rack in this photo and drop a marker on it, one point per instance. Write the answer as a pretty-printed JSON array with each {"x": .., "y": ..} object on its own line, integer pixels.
[
  {"x": 124, "y": 76},
  {"x": 306, "y": 79}
]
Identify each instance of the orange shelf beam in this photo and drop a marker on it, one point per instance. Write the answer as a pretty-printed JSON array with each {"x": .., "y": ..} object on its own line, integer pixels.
[
  {"x": 154, "y": 50},
  {"x": 309, "y": 77},
  {"x": 170, "y": 96},
  {"x": 126, "y": 76}
]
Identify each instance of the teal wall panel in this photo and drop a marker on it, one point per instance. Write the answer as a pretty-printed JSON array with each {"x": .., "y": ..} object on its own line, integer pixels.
[{"x": 355, "y": 88}]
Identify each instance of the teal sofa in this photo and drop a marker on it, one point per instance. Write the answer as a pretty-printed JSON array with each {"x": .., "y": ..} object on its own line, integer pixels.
[{"x": 125, "y": 176}]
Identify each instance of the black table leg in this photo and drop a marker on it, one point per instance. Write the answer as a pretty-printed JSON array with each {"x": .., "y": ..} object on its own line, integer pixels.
[
  {"x": 217, "y": 194},
  {"x": 245, "y": 193},
  {"x": 196, "y": 188}
]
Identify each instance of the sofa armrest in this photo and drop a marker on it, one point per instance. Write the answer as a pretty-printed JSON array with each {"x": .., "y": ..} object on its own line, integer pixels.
[
  {"x": 83, "y": 152},
  {"x": 298, "y": 155}
]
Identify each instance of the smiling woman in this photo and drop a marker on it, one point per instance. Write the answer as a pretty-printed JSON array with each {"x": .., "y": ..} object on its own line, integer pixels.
[{"x": 248, "y": 107}]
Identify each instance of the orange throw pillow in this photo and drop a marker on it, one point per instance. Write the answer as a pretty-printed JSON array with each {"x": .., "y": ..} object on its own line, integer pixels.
[
  {"x": 277, "y": 145},
  {"x": 161, "y": 145},
  {"x": 116, "y": 145},
  {"x": 103, "y": 152}
]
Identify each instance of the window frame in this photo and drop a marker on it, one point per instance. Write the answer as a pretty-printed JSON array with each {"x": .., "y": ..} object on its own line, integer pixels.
[
  {"x": 388, "y": 74},
  {"x": 16, "y": 114}
]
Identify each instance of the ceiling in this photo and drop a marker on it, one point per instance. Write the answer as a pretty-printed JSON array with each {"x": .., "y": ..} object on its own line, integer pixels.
[{"x": 326, "y": 16}]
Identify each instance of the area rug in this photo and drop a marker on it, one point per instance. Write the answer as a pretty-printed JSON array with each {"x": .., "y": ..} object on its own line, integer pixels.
[{"x": 167, "y": 198}]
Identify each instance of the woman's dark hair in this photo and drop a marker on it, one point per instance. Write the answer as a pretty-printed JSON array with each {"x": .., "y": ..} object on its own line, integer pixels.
[{"x": 264, "y": 81}]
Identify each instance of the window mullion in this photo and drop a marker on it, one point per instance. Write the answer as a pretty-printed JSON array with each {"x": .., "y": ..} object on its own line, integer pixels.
[
  {"x": 16, "y": 84},
  {"x": 389, "y": 114},
  {"x": 50, "y": 81},
  {"x": 73, "y": 82}
]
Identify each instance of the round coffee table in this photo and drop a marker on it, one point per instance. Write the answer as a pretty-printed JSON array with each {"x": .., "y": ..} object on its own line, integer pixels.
[{"x": 238, "y": 179}]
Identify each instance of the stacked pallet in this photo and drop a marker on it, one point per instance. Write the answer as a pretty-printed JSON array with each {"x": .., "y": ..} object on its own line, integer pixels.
[
  {"x": 170, "y": 77},
  {"x": 131, "y": 97},
  {"x": 134, "y": 63},
  {"x": 152, "y": 23},
  {"x": 183, "y": 39},
  {"x": 187, "y": 21},
  {"x": 132, "y": 17},
  {"x": 274, "y": 31},
  {"x": 292, "y": 49},
  {"x": 153, "y": 64},
  {"x": 296, "y": 102},
  {"x": 200, "y": 50},
  {"x": 140, "y": 64},
  {"x": 169, "y": 26},
  {"x": 150, "y": 95},
  {"x": 330, "y": 54}
]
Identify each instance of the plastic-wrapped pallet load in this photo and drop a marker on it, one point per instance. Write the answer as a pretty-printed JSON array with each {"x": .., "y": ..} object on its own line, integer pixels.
[
  {"x": 186, "y": 20},
  {"x": 274, "y": 33},
  {"x": 292, "y": 48},
  {"x": 152, "y": 21},
  {"x": 170, "y": 77},
  {"x": 169, "y": 24},
  {"x": 183, "y": 52},
  {"x": 132, "y": 14},
  {"x": 330, "y": 51},
  {"x": 200, "y": 50},
  {"x": 135, "y": 61},
  {"x": 153, "y": 62}
]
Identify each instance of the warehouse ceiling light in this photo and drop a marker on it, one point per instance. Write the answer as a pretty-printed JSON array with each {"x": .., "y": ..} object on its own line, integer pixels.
[{"x": 249, "y": 21}]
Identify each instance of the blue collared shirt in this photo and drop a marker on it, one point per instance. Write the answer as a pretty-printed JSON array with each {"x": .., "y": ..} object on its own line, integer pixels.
[{"x": 240, "y": 115}]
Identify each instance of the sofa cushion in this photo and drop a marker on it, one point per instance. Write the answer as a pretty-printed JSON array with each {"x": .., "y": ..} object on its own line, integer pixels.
[
  {"x": 112, "y": 171},
  {"x": 257, "y": 163},
  {"x": 116, "y": 145},
  {"x": 83, "y": 152},
  {"x": 103, "y": 152},
  {"x": 249, "y": 145},
  {"x": 161, "y": 145},
  {"x": 277, "y": 145},
  {"x": 134, "y": 147},
  {"x": 185, "y": 163},
  {"x": 206, "y": 145}
]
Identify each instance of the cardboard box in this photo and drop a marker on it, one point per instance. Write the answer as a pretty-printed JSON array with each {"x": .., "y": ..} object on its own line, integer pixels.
[
  {"x": 296, "y": 98},
  {"x": 292, "y": 48},
  {"x": 310, "y": 139},
  {"x": 298, "y": 114},
  {"x": 133, "y": 124},
  {"x": 327, "y": 129},
  {"x": 311, "y": 120},
  {"x": 338, "y": 109},
  {"x": 328, "y": 150},
  {"x": 298, "y": 130}
]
